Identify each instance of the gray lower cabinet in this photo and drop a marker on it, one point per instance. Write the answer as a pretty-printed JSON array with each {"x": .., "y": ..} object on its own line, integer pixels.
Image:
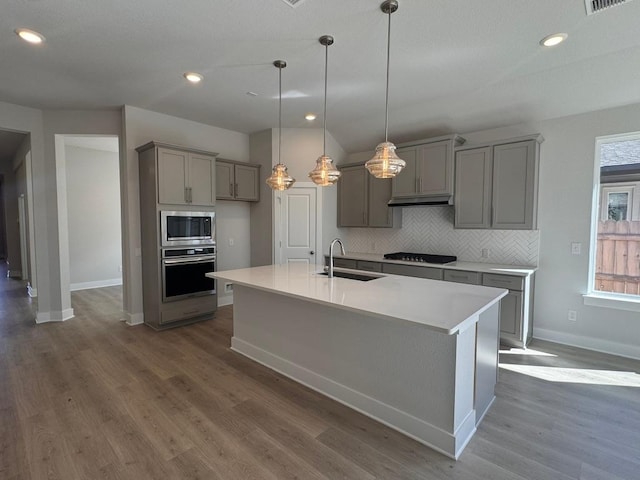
[
  {"x": 362, "y": 199},
  {"x": 343, "y": 263},
  {"x": 516, "y": 309},
  {"x": 462, "y": 276},
  {"x": 237, "y": 181},
  {"x": 411, "y": 271},
  {"x": 496, "y": 185},
  {"x": 369, "y": 266}
]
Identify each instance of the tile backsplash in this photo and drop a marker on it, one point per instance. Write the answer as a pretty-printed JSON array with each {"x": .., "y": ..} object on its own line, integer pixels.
[{"x": 430, "y": 230}]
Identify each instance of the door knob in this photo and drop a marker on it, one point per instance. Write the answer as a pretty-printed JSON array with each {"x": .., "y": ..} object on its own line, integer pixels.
[{"x": 312, "y": 252}]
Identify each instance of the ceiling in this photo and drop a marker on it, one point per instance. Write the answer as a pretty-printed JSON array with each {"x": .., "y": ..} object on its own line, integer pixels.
[{"x": 456, "y": 65}]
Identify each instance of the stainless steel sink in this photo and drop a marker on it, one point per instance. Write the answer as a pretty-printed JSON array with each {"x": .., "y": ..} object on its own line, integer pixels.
[{"x": 363, "y": 277}]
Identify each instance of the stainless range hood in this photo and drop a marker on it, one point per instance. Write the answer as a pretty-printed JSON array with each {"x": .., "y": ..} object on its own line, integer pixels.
[{"x": 434, "y": 200}]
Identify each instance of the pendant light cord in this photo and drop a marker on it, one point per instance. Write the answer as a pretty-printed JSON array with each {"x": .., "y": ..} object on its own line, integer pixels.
[
  {"x": 279, "y": 114},
  {"x": 324, "y": 121},
  {"x": 386, "y": 107}
]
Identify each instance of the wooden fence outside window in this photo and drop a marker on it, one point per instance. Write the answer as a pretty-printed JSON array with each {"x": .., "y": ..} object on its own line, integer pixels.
[{"x": 618, "y": 257}]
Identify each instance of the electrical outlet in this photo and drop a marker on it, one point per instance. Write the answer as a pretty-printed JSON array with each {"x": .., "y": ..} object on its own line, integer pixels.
[
  {"x": 228, "y": 287},
  {"x": 231, "y": 242},
  {"x": 485, "y": 253},
  {"x": 572, "y": 315},
  {"x": 576, "y": 248}
]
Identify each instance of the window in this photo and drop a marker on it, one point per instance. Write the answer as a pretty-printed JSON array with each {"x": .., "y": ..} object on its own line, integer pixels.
[
  {"x": 616, "y": 202},
  {"x": 614, "y": 271}
]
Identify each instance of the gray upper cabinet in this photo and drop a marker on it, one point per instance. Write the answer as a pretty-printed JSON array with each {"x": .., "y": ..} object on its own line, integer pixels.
[
  {"x": 429, "y": 170},
  {"x": 362, "y": 199},
  {"x": 473, "y": 188},
  {"x": 497, "y": 185},
  {"x": 184, "y": 177},
  {"x": 237, "y": 181},
  {"x": 515, "y": 185}
]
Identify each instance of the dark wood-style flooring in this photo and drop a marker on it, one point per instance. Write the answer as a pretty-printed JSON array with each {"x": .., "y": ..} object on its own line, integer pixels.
[{"x": 92, "y": 398}]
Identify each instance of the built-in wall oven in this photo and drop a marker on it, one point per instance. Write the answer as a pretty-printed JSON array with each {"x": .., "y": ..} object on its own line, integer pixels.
[
  {"x": 183, "y": 272},
  {"x": 186, "y": 229}
]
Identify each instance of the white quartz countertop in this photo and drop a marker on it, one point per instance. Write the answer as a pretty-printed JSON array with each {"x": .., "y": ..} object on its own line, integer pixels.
[
  {"x": 446, "y": 307},
  {"x": 516, "y": 270}
]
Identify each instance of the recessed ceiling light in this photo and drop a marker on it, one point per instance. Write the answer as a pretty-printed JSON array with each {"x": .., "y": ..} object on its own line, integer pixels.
[
  {"x": 30, "y": 36},
  {"x": 310, "y": 116},
  {"x": 193, "y": 77},
  {"x": 553, "y": 40}
]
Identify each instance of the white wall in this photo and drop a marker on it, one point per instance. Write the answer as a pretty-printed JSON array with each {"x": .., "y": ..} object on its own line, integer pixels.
[
  {"x": 93, "y": 207},
  {"x": 233, "y": 240},
  {"x": 142, "y": 126}
]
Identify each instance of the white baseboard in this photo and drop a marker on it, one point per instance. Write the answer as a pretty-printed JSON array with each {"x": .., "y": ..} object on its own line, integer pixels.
[
  {"x": 133, "y": 319},
  {"x": 32, "y": 291},
  {"x": 58, "y": 316},
  {"x": 403, "y": 422},
  {"x": 596, "y": 344},
  {"x": 97, "y": 284}
]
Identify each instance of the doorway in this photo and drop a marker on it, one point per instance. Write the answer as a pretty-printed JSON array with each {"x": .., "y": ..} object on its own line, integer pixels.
[
  {"x": 297, "y": 229},
  {"x": 91, "y": 190}
]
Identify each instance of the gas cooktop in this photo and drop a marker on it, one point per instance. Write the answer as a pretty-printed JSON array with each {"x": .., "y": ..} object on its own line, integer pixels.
[{"x": 421, "y": 257}]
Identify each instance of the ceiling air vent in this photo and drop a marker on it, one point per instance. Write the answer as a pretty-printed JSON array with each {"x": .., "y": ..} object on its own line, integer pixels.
[
  {"x": 595, "y": 6},
  {"x": 293, "y": 3}
]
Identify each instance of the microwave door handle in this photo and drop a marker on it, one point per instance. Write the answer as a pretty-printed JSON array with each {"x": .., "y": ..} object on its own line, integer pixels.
[{"x": 173, "y": 261}]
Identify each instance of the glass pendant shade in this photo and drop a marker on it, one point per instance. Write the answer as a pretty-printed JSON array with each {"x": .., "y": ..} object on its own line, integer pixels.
[
  {"x": 280, "y": 178},
  {"x": 325, "y": 173},
  {"x": 385, "y": 163}
]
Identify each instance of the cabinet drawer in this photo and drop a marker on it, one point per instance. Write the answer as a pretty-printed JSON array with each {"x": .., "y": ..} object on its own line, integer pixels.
[
  {"x": 369, "y": 266},
  {"x": 460, "y": 276},
  {"x": 502, "y": 281},
  {"x": 411, "y": 271},
  {"x": 343, "y": 263},
  {"x": 186, "y": 309}
]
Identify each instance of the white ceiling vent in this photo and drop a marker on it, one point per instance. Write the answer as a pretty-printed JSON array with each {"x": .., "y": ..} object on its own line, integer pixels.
[
  {"x": 595, "y": 6},
  {"x": 293, "y": 3}
]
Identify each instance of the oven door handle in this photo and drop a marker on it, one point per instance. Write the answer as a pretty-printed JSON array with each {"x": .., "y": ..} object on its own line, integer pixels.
[{"x": 202, "y": 259}]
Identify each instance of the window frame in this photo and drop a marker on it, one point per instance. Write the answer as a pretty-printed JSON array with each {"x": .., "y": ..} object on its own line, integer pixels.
[{"x": 596, "y": 297}]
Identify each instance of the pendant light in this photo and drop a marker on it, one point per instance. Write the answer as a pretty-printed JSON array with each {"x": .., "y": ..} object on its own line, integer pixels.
[
  {"x": 280, "y": 178},
  {"x": 325, "y": 173},
  {"x": 385, "y": 163}
]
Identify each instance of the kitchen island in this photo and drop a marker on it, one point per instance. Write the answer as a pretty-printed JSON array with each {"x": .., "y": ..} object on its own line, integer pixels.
[{"x": 415, "y": 354}]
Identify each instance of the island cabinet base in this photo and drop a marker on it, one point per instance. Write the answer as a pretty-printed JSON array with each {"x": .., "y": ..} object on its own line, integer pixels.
[{"x": 421, "y": 382}]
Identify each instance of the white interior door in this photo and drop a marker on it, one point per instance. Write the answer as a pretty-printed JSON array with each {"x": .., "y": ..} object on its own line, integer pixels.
[{"x": 299, "y": 230}]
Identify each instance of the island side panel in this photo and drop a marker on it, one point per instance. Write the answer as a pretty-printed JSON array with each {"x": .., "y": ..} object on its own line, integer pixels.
[
  {"x": 401, "y": 374},
  {"x": 488, "y": 344}
]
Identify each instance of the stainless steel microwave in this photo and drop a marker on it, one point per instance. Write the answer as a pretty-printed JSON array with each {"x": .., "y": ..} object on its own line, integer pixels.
[{"x": 179, "y": 228}]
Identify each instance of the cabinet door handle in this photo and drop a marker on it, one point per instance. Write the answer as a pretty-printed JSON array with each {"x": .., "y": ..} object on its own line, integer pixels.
[
  {"x": 235, "y": 189},
  {"x": 231, "y": 189},
  {"x": 190, "y": 195},
  {"x": 186, "y": 194},
  {"x": 420, "y": 183}
]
